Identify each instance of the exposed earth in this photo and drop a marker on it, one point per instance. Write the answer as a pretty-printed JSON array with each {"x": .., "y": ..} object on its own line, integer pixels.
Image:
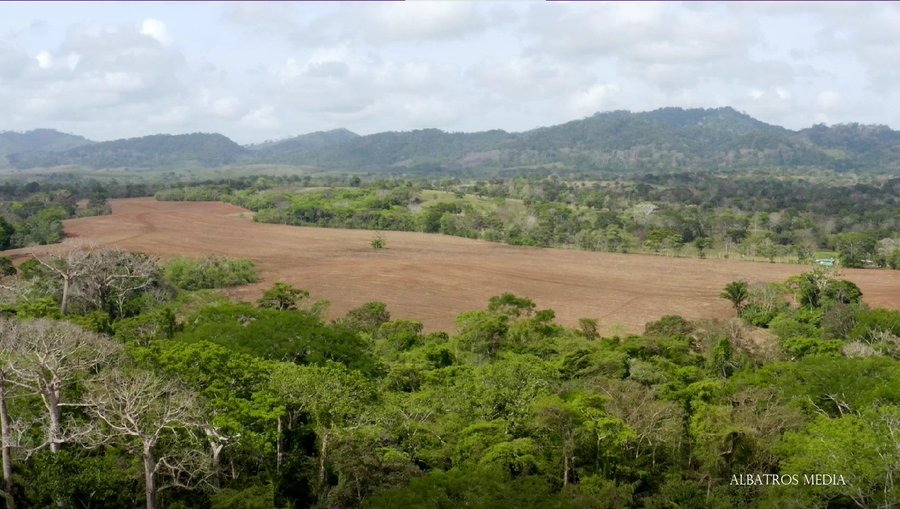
[{"x": 432, "y": 278}]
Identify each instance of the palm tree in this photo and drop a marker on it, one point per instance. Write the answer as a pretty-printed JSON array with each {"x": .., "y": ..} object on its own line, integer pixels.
[{"x": 737, "y": 292}]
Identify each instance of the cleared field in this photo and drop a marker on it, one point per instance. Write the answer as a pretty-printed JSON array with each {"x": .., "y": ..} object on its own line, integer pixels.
[{"x": 432, "y": 278}]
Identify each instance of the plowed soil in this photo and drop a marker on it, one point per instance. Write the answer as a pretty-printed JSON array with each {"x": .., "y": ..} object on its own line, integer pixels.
[{"x": 433, "y": 278}]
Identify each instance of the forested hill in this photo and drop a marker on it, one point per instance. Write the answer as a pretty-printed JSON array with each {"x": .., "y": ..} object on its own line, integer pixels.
[
  {"x": 41, "y": 140},
  {"x": 666, "y": 139},
  {"x": 157, "y": 151}
]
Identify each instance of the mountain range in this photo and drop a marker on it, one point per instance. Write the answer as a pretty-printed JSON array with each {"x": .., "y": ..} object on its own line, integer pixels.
[{"x": 663, "y": 139}]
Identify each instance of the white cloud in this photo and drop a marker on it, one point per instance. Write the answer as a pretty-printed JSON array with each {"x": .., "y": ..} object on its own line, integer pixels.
[
  {"x": 262, "y": 118},
  {"x": 157, "y": 30},
  {"x": 450, "y": 65},
  {"x": 273, "y": 18},
  {"x": 44, "y": 59},
  {"x": 599, "y": 97}
]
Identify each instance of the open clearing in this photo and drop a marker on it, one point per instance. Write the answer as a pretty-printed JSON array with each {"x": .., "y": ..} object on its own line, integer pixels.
[{"x": 433, "y": 278}]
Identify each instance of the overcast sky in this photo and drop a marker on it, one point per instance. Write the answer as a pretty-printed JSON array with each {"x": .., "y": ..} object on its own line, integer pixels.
[{"x": 257, "y": 71}]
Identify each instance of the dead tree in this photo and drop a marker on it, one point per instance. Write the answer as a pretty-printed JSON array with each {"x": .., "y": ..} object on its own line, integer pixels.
[
  {"x": 44, "y": 356},
  {"x": 100, "y": 279},
  {"x": 68, "y": 266},
  {"x": 111, "y": 276},
  {"x": 5, "y": 436},
  {"x": 159, "y": 417}
]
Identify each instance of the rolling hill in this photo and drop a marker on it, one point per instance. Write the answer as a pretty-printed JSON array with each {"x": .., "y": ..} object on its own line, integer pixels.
[{"x": 667, "y": 139}]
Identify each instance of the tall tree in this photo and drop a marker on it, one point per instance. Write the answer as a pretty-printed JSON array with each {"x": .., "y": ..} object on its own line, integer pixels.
[
  {"x": 67, "y": 266},
  {"x": 110, "y": 277},
  {"x": 5, "y": 442},
  {"x": 143, "y": 407},
  {"x": 333, "y": 396},
  {"x": 737, "y": 292},
  {"x": 45, "y": 356}
]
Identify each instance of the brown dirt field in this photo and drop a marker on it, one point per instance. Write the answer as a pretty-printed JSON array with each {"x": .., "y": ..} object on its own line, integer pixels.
[{"x": 433, "y": 278}]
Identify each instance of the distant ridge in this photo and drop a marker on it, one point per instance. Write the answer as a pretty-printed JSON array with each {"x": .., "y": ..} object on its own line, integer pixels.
[
  {"x": 155, "y": 151},
  {"x": 666, "y": 139}
]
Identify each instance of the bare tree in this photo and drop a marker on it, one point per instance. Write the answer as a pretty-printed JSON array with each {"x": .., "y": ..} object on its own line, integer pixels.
[
  {"x": 68, "y": 266},
  {"x": 111, "y": 276},
  {"x": 153, "y": 411},
  {"x": 99, "y": 278},
  {"x": 6, "y": 443},
  {"x": 43, "y": 356}
]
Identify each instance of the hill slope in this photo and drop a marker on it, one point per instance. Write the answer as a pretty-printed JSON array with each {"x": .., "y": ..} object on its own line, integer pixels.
[
  {"x": 38, "y": 140},
  {"x": 156, "y": 151},
  {"x": 668, "y": 139}
]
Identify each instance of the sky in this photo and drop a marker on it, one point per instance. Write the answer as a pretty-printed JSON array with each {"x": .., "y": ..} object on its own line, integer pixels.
[{"x": 261, "y": 71}]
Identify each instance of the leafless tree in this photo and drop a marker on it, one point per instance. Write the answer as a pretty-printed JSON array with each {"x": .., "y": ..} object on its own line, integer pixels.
[
  {"x": 43, "y": 356},
  {"x": 159, "y": 415},
  {"x": 112, "y": 276},
  {"x": 68, "y": 266},
  {"x": 5, "y": 436},
  {"x": 99, "y": 278}
]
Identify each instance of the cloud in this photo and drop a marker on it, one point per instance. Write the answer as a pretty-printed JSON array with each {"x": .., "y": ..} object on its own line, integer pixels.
[
  {"x": 13, "y": 62},
  {"x": 405, "y": 22},
  {"x": 157, "y": 30},
  {"x": 44, "y": 59},
  {"x": 251, "y": 69},
  {"x": 96, "y": 72},
  {"x": 671, "y": 47},
  {"x": 270, "y": 18},
  {"x": 261, "y": 118},
  {"x": 598, "y": 97}
]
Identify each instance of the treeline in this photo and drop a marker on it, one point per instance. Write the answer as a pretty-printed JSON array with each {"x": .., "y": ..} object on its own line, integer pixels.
[
  {"x": 757, "y": 217},
  {"x": 121, "y": 392},
  {"x": 666, "y": 139},
  {"x": 32, "y": 212}
]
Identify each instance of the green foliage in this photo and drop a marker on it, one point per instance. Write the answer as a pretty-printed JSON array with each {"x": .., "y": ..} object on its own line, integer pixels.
[
  {"x": 797, "y": 346},
  {"x": 481, "y": 332},
  {"x": 209, "y": 272},
  {"x": 98, "y": 321},
  {"x": 41, "y": 308},
  {"x": 367, "y": 318},
  {"x": 737, "y": 293},
  {"x": 510, "y": 305},
  {"x": 855, "y": 249},
  {"x": 402, "y": 334},
  {"x": 378, "y": 242},
  {"x": 295, "y": 336},
  {"x": 283, "y": 297},
  {"x": 865, "y": 441},
  {"x": 588, "y": 328},
  {"x": 6, "y": 265},
  {"x": 255, "y": 497},
  {"x": 669, "y": 326},
  {"x": 787, "y": 326},
  {"x": 71, "y": 479},
  {"x": 141, "y": 330},
  {"x": 834, "y": 385}
]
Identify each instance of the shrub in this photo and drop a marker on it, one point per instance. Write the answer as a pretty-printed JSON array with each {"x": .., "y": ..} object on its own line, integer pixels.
[
  {"x": 6, "y": 266},
  {"x": 283, "y": 297},
  {"x": 209, "y": 272}
]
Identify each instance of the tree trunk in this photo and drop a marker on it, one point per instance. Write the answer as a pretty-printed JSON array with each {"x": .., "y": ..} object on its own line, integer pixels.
[
  {"x": 323, "y": 449},
  {"x": 64, "y": 303},
  {"x": 52, "y": 398},
  {"x": 7, "y": 457},
  {"x": 565, "y": 469},
  {"x": 150, "y": 489},
  {"x": 216, "y": 449},
  {"x": 279, "y": 444}
]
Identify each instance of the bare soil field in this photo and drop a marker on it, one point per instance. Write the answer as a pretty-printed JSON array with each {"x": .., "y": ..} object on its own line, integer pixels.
[{"x": 433, "y": 278}]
